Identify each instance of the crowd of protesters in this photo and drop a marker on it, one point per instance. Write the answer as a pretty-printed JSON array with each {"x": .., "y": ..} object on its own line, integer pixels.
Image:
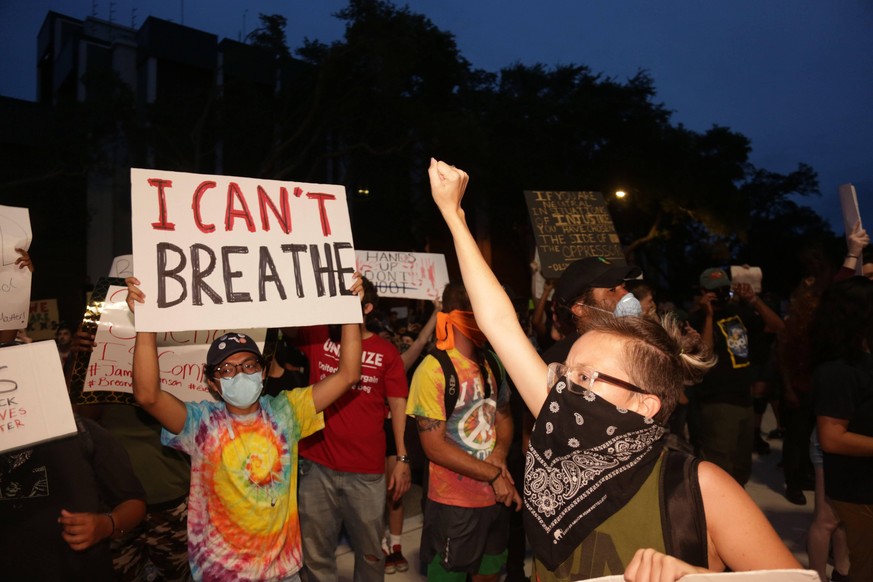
[{"x": 638, "y": 417}]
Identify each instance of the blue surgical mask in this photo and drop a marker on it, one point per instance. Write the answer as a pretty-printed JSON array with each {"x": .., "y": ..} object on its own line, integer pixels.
[
  {"x": 242, "y": 390},
  {"x": 628, "y": 305}
]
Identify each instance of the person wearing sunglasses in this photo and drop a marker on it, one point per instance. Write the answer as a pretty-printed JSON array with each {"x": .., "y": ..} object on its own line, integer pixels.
[{"x": 591, "y": 487}]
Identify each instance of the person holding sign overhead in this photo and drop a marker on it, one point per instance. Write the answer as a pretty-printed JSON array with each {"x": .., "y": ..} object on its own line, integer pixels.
[
  {"x": 593, "y": 479},
  {"x": 242, "y": 509}
]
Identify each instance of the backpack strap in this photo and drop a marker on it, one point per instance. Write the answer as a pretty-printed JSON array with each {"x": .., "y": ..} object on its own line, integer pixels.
[
  {"x": 683, "y": 520},
  {"x": 452, "y": 383}
]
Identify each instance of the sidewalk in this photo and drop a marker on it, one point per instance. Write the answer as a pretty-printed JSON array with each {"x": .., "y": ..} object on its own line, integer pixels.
[{"x": 766, "y": 487}]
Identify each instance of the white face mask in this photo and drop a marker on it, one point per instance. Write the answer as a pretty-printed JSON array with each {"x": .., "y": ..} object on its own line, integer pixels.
[
  {"x": 242, "y": 390},
  {"x": 628, "y": 305}
]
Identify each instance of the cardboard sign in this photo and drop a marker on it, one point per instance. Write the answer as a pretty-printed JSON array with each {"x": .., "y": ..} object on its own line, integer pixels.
[
  {"x": 402, "y": 274},
  {"x": 105, "y": 374},
  {"x": 755, "y": 576},
  {"x": 569, "y": 226},
  {"x": 15, "y": 283},
  {"x": 44, "y": 319},
  {"x": 34, "y": 405},
  {"x": 222, "y": 251},
  {"x": 851, "y": 215},
  {"x": 746, "y": 274}
]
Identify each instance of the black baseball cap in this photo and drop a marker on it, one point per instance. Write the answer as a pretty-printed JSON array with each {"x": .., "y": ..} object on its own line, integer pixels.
[
  {"x": 591, "y": 272},
  {"x": 228, "y": 345}
]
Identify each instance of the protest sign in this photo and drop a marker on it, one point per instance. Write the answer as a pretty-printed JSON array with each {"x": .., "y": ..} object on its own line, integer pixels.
[
  {"x": 746, "y": 274},
  {"x": 851, "y": 215},
  {"x": 402, "y": 274},
  {"x": 569, "y": 226},
  {"x": 223, "y": 251},
  {"x": 105, "y": 374},
  {"x": 753, "y": 576},
  {"x": 34, "y": 406},
  {"x": 44, "y": 319},
  {"x": 15, "y": 283},
  {"x": 122, "y": 267}
]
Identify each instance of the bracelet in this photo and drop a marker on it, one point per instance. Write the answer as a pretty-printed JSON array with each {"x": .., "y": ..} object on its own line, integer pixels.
[
  {"x": 111, "y": 519},
  {"x": 851, "y": 256},
  {"x": 494, "y": 478},
  {"x": 403, "y": 459}
]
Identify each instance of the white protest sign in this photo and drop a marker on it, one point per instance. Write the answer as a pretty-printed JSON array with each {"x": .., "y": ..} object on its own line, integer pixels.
[
  {"x": 222, "y": 251},
  {"x": 34, "y": 404},
  {"x": 181, "y": 355},
  {"x": 122, "y": 267},
  {"x": 403, "y": 274},
  {"x": 15, "y": 283},
  {"x": 746, "y": 274},
  {"x": 754, "y": 576},
  {"x": 851, "y": 215}
]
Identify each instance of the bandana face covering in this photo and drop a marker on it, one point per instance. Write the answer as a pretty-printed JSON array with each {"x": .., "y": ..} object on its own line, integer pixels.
[
  {"x": 587, "y": 458},
  {"x": 466, "y": 324}
]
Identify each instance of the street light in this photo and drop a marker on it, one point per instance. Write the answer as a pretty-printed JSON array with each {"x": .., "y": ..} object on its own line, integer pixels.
[{"x": 620, "y": 193}]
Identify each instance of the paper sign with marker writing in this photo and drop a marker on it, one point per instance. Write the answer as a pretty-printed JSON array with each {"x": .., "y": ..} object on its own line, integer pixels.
[
  {"x": 42, "y": 324},
  {"x": 181, "y": 355},
  {"x": 569, "y": 226},
  {"x": 15, "y": 283},
  {"x": 403, "y": 274},
  {"x": 222, "y": 251},
  {"x": 755, "y": 576},
  {"x": 34, "y": 405},
  {"x": 122, "y": 267},
  {"x": 746, "y": 274}
]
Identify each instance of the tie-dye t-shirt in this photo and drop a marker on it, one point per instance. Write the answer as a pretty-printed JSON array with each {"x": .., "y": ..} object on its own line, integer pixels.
[
  {"x": 242, "y": 509},
  {"x": 471, "y": 426}
]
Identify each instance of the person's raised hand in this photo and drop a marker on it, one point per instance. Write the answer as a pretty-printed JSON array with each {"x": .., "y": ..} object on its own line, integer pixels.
[
  {"x": 357, "y": 287},
  {"x": 447, "y": 185},
  {"x": 858, "y": 239},
  {"x": 134, "y": 293},
  {"x": 24, "y": 260}
]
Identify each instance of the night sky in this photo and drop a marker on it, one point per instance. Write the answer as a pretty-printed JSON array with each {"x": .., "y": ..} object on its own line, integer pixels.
[{"x": 795, "y": 76}]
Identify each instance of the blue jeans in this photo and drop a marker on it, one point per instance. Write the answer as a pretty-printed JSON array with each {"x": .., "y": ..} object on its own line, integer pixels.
[{"x": 329, "y": 499}]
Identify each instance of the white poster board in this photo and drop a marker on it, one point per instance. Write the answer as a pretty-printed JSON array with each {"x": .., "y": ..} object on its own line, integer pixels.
[
  {"x": 404, "y": 274},
  {"x": 756, "y": 576},
  {"x": 181, "y": 355},
  {"x": 851, "y": 215},
  {"x": 222, "y": 251},
  {"x": 34, "y": 405},
  {"x": 122, "y": 267},
  {"x": 753, "y": 276},
  {"x": 15, "y": 233}
]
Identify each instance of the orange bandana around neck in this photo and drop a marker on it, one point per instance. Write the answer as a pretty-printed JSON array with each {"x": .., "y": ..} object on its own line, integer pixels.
[{"x": 466, "y": 324}]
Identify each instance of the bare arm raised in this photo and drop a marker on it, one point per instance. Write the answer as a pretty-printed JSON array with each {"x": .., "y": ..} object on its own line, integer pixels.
[
  {"x": 494, "y": 312},
  {"x": 166, "y": 408}
]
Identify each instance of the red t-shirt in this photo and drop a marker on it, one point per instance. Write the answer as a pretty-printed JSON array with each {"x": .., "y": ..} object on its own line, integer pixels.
[{"x": 353, "y": 439}]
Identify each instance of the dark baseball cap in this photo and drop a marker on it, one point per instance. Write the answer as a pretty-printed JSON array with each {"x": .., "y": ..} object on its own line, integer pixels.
[
  {"x": 591, "y": 272},
  {"x": 228, "y": 345},
  {"x": 714, "y": 278}
]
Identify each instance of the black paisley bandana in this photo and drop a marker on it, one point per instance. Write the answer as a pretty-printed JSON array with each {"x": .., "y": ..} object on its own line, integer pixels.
[{"x": 586, "y": 459}]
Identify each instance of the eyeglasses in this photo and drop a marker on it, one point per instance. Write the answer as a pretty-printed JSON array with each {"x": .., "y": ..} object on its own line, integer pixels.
[
  {"x": 249, "y": 366},
  {"x": 583, "y": 376}
]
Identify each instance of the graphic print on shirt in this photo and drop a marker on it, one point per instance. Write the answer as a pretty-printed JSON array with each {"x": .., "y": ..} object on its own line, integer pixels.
[
  {"x": 475, "y": 427},
  {"x": 737, "y": 339}
]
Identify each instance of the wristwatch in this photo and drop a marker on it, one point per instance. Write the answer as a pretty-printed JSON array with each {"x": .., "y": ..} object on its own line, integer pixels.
[{"x": 403, "y": 459}]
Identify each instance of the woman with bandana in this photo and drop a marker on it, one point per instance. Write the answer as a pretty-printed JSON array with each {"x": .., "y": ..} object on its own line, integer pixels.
[
  {"x": 242, "y": 508},
  {"x": 591, "y": 489}
]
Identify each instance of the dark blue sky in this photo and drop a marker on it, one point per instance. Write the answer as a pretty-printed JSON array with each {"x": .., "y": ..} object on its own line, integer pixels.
[{"x": 795, "y": 76}]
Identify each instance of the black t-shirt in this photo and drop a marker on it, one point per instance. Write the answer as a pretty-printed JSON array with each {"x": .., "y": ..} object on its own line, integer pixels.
[
  {"x": 735, "y": 329},
  {"x": 843, "y": 390},
  {"x": 560, "y": 349},
  {"x": 88, "y": 472}
]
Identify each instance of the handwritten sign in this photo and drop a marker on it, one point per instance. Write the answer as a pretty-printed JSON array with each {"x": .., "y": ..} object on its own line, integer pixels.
[
  {"x": 122, "y": 267},
  {"x": 223, "y": 251},
  {"x": 44, "y": 319},
  {"x": 15, "y": 283},
  {"x": 402, "y": 274},
  {"x": 105, "y": 374},
  {"x": 34, "y": 406},
  {"x": 569, "y": 226},
  {"x": 753, "y": 576}
]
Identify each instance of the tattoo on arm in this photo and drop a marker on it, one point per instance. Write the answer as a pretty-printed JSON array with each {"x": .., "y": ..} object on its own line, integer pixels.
[{"x": 425, "y": 424}]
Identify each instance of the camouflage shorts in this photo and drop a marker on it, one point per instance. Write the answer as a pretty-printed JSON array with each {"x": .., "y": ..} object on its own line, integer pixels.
[{"x": 157, "y": 549}]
